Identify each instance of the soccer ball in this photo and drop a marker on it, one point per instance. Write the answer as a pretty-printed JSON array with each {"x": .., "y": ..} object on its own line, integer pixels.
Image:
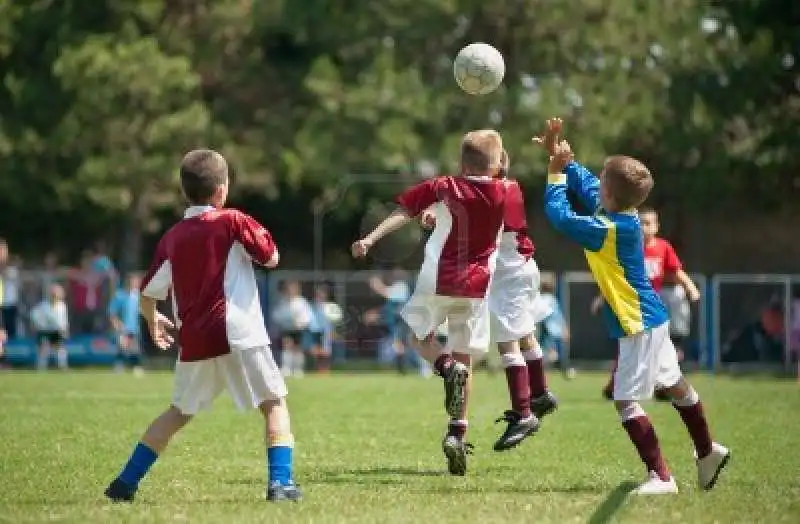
[{"x": 479, "y": 69}]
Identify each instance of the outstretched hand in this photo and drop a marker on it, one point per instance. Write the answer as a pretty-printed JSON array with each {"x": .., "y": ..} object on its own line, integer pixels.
[
  {"x": 159, "y": 331},
  {"x": 360, "y": 248},
  {"x": 562, "y": 155},
  {"x": 551, "y": 136}
]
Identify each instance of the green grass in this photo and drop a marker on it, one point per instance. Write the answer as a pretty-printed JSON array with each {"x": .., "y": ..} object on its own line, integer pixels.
[{"x": 368, "y": 451}]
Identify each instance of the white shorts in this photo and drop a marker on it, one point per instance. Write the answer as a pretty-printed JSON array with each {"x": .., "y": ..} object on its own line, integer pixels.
[
  {"x": 647, "y": 361},
  {"x": 250, "y": 376},
  {"x": 515, "y": 306},
  {"x": 467, "y": 320}
]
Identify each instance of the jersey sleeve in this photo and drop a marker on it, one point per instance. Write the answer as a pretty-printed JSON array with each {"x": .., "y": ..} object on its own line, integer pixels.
[
  {"x": 584, "y": 184},
  {"x": 672, "y": 264},
  {"x": 158, "y": 279},
  {"x": 420, "y": 197},
  {"x": 254, "y": 237},
  {"x": 589, "y": 231}
]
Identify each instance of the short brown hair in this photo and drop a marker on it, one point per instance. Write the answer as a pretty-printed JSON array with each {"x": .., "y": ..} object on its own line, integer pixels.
[
  {"x": 202, "y": 171},
  {"x": 628, "y": 181},
  {"x": 481, "y": 151}
]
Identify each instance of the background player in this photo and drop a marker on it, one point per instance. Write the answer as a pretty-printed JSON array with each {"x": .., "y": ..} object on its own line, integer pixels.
[
  {"x": 206, "y": 261},
  {"x": 124, "y": 315},
  {"x": 454, "y": 277},
  {"x": 514, "y": 310},
  {"x": 661, "y": 262},
  {"x": 612, "y": 241}
]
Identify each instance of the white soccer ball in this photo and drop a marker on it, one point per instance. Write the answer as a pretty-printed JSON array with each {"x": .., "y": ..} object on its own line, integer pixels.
[{"x": 479, "y": 69}]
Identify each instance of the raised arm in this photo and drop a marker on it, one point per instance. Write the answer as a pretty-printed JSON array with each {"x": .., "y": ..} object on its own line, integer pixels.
[
  {"x": 585, "y": 184},
  {"x": 589, "y": 231}
]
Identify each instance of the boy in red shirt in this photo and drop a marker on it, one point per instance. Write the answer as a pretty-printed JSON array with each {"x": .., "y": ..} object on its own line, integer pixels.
[
  {"x": 205, "y": 262},
  {"x": 454, "y": 278},
  {"x": 661, "y": 262}
]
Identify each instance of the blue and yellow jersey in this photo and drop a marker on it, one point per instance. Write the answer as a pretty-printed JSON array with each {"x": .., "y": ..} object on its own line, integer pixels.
[{"x": 614, "y": 249}]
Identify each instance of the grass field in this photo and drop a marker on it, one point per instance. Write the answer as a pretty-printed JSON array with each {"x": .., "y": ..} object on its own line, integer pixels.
[{"x": 368, "y": 451}]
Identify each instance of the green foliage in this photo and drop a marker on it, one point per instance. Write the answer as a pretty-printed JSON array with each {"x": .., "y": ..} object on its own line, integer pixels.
[{"x": 100, "y": 99}]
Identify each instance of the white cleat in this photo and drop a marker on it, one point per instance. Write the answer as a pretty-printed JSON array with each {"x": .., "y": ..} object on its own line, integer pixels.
[
  {"x": 710, "y": 466},
  {"x": 655, "y": 486}
]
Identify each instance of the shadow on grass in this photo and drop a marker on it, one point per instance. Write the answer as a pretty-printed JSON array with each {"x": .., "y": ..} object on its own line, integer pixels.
[
  {"x": 392, "y": 475},
  {"x": 612, "y": 503}
]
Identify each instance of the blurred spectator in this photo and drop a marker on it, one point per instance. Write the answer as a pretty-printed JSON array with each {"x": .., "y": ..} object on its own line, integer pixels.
[
  {"x": 50, "y": 274},
  {"x": 103, "y": 265},
  {"x": 397, "y": 294},
  {"x": 680, "y": 316},
  {"x": 325, "y": 316},
  {"x": 9, "y": 291},
  {"x": 124, "y": 315},
  {"x": 51, "y": 323},
  {"x": 760, "y": 341},
  {"x": 553, "y": 332},
  {"x": 292, "y": 316},
  {"x": 370, "y": 333},
  {"x": 85, "y": 292}
]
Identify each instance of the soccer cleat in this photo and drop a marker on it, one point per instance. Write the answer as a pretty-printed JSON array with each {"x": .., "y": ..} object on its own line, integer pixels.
[
  {"x": 655, "y": 486},
  {"x": 544, "y": 404},
  {"x": 455, "y": 383},
  {"x": 517, "y": 430},
  {"x": 456, "y": 451},
  {"x": 710, "y": 466},
  {"x": 118, "y": 491},
  {"x": 277, "y": 492}
]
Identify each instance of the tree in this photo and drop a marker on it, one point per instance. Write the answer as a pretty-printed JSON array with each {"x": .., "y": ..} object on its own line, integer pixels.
[{"x": 135, "y": 111}]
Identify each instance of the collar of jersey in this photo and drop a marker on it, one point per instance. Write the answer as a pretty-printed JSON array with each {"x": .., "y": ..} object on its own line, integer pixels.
[
  {"x": 193, "y": 211},
  {"x": 475, "y": 178},
  {"x": 632, "y": 212}
]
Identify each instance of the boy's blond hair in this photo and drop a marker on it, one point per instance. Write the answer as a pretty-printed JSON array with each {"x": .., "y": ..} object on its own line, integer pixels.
[
  {"x": 628, "y": 180},
  {"x": 481, "y": 151}
]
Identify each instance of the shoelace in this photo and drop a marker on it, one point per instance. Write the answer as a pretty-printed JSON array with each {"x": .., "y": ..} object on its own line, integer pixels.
[{"x": 509, "y": 416}]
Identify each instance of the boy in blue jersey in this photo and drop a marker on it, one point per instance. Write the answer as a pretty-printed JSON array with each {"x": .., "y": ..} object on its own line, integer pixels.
[
  {"x": 612, "y": 242},
  {"x": 124, "y": 312}
]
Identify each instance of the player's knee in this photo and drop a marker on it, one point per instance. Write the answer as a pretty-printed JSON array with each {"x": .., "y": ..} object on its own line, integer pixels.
[
  {"x": 687, "y": 396},
  {"x": 628, "y": 409}
]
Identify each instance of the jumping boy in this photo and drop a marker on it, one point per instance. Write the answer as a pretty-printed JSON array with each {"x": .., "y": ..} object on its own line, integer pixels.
[
  {"x": 454, "y": 277},
  {"x": 205, "y": 260},
  {"x": 612, "y": 242},
  {"x": 514, "y": 309}
]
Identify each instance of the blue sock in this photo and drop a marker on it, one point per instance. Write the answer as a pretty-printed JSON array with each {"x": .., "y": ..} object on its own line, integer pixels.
[
  {"x": 279, "y": 464},
  {"x": 136, "y": 468}
]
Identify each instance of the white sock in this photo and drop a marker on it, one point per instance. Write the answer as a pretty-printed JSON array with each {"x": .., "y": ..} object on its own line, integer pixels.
[
  {"x": 61, "y": 358},
  {"x": 512, "y": 359},
  {"x": 533, "y": 354}
]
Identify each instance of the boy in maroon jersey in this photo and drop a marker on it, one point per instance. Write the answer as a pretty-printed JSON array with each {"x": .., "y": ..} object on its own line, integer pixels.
[
  {"x": 454, "y": 277},
  {"x": 661, "y": 262},
  {"x": 205, "y": 262},
  {"x": 514, "y": 309}
]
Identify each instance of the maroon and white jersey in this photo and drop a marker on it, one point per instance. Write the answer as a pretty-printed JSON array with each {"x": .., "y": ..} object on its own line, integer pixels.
[
  {"x": 206, "y": 260},
  {"x": 515, "y": 246},
  {"x": 460, "y": 253}
]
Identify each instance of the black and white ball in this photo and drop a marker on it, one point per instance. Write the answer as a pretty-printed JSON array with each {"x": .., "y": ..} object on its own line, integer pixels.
[{"x": 479, "y": 69}]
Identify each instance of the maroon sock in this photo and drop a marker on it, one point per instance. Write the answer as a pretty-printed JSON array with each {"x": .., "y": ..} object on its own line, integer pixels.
[
  {"x": 536, "y": 377},
  {"x": 643, "y": 436},
  {"x": 519, "y": 389},
  {"x": 457, "y": 428},
  {"x": 443, "y": 362},
  {"x": 695, "y": 422}
]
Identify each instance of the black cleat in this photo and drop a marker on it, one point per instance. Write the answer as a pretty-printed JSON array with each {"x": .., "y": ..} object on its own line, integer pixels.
[
  {"x": 608, "y": 393},
  {"x": 118, "y": 491},
  {"x": 456, "y": 451},
  {"x": 279, "y": 492},
  {"x": 544, "y": 404},
  {"x": 455, "y": 383},
  {"x": 518, "y": 429}
]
